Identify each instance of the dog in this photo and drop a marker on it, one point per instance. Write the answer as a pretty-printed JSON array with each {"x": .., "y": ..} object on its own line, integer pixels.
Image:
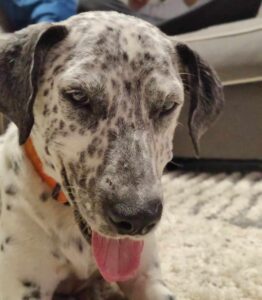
[{"x": 94, "y": 103}]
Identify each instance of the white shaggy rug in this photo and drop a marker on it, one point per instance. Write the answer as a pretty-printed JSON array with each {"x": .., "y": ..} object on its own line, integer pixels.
[
  {"x": 210, "y": 239},
  {"x": 211, "y": 236}
]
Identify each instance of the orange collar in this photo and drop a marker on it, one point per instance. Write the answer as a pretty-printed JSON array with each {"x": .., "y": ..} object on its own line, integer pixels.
[{"x": 36, "y": 162}]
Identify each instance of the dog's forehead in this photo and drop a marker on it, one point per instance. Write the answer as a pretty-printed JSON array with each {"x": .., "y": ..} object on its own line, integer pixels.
[
  {"x": 109, "y": 39},
  {"x": 112, "y": 26},
  {"x": 117, "y": 50}
]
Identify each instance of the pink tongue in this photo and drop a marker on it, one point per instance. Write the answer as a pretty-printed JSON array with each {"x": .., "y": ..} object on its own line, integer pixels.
[{"x": 117, "y": 260}]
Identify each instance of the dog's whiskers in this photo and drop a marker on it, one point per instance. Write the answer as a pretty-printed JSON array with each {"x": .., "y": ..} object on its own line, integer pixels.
[{"x": 180, "y": 124}]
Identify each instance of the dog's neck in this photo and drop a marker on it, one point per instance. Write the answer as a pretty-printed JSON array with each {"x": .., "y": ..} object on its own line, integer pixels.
[
  {"x": 57, "y": 193},
  {"x": 36, "y": 162}
]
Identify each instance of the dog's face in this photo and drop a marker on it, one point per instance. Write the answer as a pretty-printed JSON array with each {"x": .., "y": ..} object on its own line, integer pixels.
[{"x": 105, "y": 93}]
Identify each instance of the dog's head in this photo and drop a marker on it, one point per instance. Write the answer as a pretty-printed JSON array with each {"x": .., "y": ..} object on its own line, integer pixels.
[{"x": 100, "y": 95}]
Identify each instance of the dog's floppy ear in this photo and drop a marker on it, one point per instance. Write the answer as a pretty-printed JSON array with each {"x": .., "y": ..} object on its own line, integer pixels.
[
  {"x": 21, "y": 56},
  {"x": 203, "y": 89}
]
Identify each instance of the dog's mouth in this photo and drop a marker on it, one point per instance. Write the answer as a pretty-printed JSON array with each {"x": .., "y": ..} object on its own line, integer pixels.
[{"x": 117, "y": 259}]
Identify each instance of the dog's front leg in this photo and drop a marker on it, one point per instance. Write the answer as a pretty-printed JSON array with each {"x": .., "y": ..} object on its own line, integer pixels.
[
  {"x": 148, "y": 283},
  {"x": 30, "y": 267}
]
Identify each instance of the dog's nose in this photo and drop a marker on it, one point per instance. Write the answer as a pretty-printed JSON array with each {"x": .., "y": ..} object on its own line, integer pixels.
[{"x": 135, "y": 220}]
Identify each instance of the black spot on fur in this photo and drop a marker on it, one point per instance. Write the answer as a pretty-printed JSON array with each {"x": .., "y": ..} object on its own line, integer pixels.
[
  {"x": 82, "y": 182},
  {"x": 46, "y": 92},
  {"x": 57, "y": 69},
  {"x": 33, "y": 295},
  {"x": 44, "y": 196},
  {"x": 16, "y": 167},
  {"x": 33, "y": 290},
  {"x": 134, "y": 65},
  {"x": 11, "y": 190},
  {"x": 120, "y": 123},
  {"x": 47, "y": 151},
  {"x": 113, "y": 83},
  {"x": 55, "y": 109},
  {"x": 82, "y": 158},
  {"x": 125, "y": 56},
  {"x": 55, "y": 255},
  {"x": 36, "y": 294},
  {"x": 112, "y": 111},
  {"x": 141, "y": 62},
  {"x": 81, "y": 131},
  {"x": 72, "y": 127},
  {"x": 128, "y": 87},
  {"x": 7, "y": 240},
  {"x": 4, "y": 243},
  {"x": 104, "y": 66},
  {"x": 138, "y": 84},
  {"x": 27, "y": 283},
  {"x": 99, "y": 170},
  {"x": 8, "y": 207},
  {"x": 130, "y": 113},
  {"x": 101, "y": 40},
  {"x": 79, "y": 245},
  {"x": 61, "y": 125},
  {"x": 147, "y": 56},
  {"x": 112, "y": 135},
  {"x": 46, "y": 110},
  {"x": 91, "y": 149}
]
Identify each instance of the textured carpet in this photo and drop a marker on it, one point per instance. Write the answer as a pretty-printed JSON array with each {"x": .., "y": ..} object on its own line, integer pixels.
[
  {"x": 211, "y": 236},
  {"x": 210, "y": 239}
]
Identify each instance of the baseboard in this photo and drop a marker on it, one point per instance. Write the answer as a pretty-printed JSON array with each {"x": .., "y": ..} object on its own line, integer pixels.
[{"x": 214, "y": 165}]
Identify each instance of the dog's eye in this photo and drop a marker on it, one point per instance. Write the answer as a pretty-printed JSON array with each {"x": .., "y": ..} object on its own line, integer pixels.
[
  {"x": 168, "y": 107},
  {"x": 76, "y": 96}
]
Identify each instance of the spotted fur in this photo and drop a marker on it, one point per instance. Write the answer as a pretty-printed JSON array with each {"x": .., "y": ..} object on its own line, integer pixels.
[{"x": 101, "y": 108}]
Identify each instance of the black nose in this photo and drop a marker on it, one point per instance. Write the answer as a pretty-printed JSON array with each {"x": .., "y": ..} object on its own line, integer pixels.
[{"x": 132, "y": 220}]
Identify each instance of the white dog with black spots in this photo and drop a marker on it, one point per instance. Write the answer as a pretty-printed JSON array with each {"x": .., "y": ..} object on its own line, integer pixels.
[{"x": 94, "y": 103}]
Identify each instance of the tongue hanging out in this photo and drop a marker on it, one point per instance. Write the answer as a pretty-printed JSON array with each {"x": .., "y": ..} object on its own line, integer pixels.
[{"x": 117, "y": 260}]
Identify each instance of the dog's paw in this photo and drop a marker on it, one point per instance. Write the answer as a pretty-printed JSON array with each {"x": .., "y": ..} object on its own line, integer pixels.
[
  {"x": 171, "y": 297},
  {"x": 159, "y": 292},
  {"x": 154, "y": 291}
]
